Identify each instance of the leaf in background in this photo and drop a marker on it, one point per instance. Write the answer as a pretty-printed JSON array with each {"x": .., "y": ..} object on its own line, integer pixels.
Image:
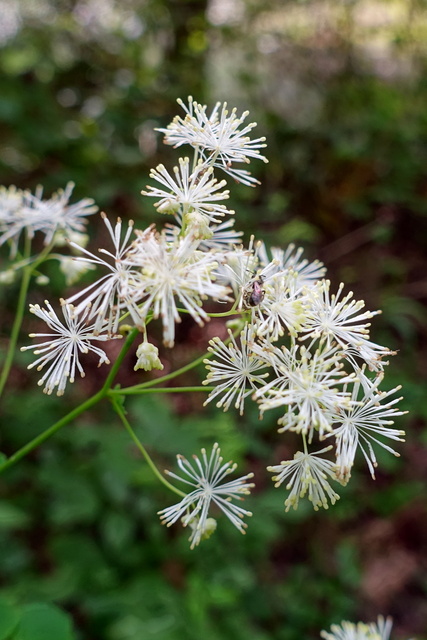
[
  {"x": 12, "y": 517},
  {"x": 9, "y": 617},
  {"x": 44, "y": 622}
]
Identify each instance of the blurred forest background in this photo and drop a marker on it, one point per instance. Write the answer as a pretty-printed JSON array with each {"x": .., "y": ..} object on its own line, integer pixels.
[{"x": 339, "y": 88}]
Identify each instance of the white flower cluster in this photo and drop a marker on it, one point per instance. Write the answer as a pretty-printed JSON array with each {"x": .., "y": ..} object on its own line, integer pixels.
[
  {"x": 307, "y": 352},
  {"x": 301, "y": 347},
  {"x": 23, "y": 211}
]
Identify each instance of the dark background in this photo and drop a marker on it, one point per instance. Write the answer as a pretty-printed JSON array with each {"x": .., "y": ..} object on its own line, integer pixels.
[{"x": 339, "y": 89}]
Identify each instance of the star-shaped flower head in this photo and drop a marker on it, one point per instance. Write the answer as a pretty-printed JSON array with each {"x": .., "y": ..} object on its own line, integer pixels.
[
  {"x": 189, "y": 193},
  {"x": 307, "y": 474},
  {"x": 342, "y": 320},
  {"x": 309, "y": 384},
  {"x": 52, "y": 216},
  {"x": 172, "y": 273},
  {"x": 291, "y": 260},
  {"x": 12, "y": 219},
  {"x": 238, "y": 370},
  {"x": 365, "y": 422},
  {"x": 349, "y": 631},
  {"x": 112, "y": 293},
  {"x": 221, "y": 138},
  {"x": 206, "y": 475},
  {"x": 61, "y": 348}
]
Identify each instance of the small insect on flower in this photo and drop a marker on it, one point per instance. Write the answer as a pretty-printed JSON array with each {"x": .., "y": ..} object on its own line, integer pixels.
[{"x": 253, "y": 293}]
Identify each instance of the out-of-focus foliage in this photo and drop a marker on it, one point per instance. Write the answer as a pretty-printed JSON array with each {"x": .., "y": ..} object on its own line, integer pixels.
[{"x": 339, "y": 89}]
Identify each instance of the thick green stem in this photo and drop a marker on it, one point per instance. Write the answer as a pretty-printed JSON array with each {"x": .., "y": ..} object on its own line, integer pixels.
[{"x": 119, "y": 410}]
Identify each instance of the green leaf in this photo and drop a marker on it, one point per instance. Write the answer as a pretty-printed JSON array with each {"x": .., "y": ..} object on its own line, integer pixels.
[
  {"x": 11, "y": 517},
  {"x": 8, "y": 619},
  {"x": 43, "y": 621}
]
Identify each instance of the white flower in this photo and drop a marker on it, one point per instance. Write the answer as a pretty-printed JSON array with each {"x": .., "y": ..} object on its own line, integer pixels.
[
  {"x": 197, "y": 191},
  {"x": 224, "y": 238},
  {"x": 61, "y": 348},
  {"x": 206, "y": 476},
  {"x": 113, "y": 292},
  {"x": 283, "y": 307},
  {"x": 240, "y": 270},
  {"x": 48, "y": 216},
  {"x": 168, "y": 272},
  {"x": 148, "y": 357},
  {"x": 12, "y": 220},
  {"x": 336, "y": 319},
  {"x": 54, "y": 214},
  {"x": 371, "y": 353},
  {"x": 362, "y": 422},
  {"x": 72, "y": 269},
  {"x": 238, "y": 370},
  {"x": 290, "y": 260},
  {"x": 308, "y": 384},
  {"x": 217, "y": 138},
  {"x": 307, "y": 474},
  {"x": 360, "y": 631}
]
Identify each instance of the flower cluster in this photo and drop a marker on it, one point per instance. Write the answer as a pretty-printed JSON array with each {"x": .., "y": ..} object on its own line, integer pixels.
[
  {"x": 299, "y": 345},
  {"x": 55, "y": 217}
]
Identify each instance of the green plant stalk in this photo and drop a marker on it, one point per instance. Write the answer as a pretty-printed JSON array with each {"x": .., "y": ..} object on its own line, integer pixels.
[
  {"x": 131, "y": 391},
  {"x": 119, "y": 410},
  {"x": 19, "y": 315},
  {"x": 45, "y": 435},
  {"x": 174, "y": 374},
  {"x": 97, "y": 397},
  {"x": 167, "y": 377}
]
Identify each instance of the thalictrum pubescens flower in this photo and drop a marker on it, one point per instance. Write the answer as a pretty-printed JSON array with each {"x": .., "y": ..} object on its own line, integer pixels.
[
  {"x": 379, "y": 630},
  {"x": 238, "y": 370},
  {"x": 62, "y": 348},
  {"x": 206, "y": 476},
  {"x": 307, "y": 475},
  {"x": 221, "y": 138}
]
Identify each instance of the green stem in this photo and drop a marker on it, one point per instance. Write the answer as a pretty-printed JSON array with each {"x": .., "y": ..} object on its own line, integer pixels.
[
  {"x": 97, "y": 397},
  {"x": 119, "y": 410},
  {"x": 132, "y": 391},
  {"x": 30, "y": 446},
  {"x": 169, "y": 376},
  {"x": 116, "y": 366},
  {"x": 174, "y": 374},
  {"x": 19, "y": 315}
]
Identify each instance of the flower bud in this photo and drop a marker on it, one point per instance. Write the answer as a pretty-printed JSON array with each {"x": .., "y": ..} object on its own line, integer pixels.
[{"x": 148, "y": 357}]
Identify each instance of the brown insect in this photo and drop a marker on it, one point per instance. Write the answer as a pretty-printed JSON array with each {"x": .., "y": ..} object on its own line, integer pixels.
[{"x": 253, "y": 293}]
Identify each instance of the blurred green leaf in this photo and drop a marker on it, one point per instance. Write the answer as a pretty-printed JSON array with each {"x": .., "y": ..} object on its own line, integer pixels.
[
  {"x": 9, "y": 617},
  {"x": 11, "y": 517},
  {"x": 43, "y": 621}
]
